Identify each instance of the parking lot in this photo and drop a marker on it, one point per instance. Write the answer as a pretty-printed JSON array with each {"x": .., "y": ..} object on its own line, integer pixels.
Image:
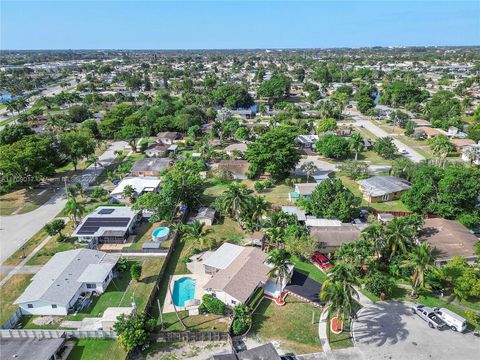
[{"x": 392, "y": 331}]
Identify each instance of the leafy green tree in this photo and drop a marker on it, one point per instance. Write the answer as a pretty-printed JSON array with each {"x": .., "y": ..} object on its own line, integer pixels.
[
  {"x": 422, "y": 195},
  {"x": 420, "y": 260},
  {"x": 401, "y": 93},
  {"x": 242, "y": 319},
  {"x": 365, "y": 104},
  {"x": 197, "y": 234},
  {"x": 212, "y": 305},
  {"x": 75, "y": 145},
  {"x": 129, "y": 193},
  {"x": 130, "y": 133},
  {"x": 327, "y": 124},
  {"x": 114, "y": 120},
  {"x": 332, "y": 200},
  {"x": 232, "y": 96},
  {"x": 234, "y": 202},
  {"x": 133, "y": 330},
  {"x": 280, "y": 266},
  {"x": 242, "y": 134},
  {"x": 302, "y": 246},
  {"x": 273, "y": 152},
  {"x": 354, "y": 169},
  {"x": 444, "y": 110},
  {"x": 379, "y": 283},
  {"x": 78, "y": 113},
  {"x": 258, "y": 207},
  {"x": 136, "y": 271},
  {"x": 473, "y": 131},
  {"x": 74, "y": 209},
  {"x": 441, "y": 147},
  {"x": 386, "y": 148},
  {"x": 276, "y": 88},
  {"x": 399, "y": 234},
  {"x": 55, "y": 227},
  {"x": 309, "y": 168},
  {"x": 333, "y": 146},
  {"x": 12, "y": 133}
]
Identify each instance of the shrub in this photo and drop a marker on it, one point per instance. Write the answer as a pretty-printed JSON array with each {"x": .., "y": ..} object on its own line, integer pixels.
[
  {"x": 239, "y": 326},
  {"x": 136, "y": 271},
  {"x": 259, "y": 186},
  {"x": 256, "y": 298},
  {"x": 378, "y": 283},
  {"x": 212, "y": 305}
]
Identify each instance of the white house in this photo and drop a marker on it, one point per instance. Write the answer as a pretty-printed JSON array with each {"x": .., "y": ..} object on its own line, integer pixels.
[
  {"x": 55, "y": 289},
  {"x": 107, "y": 224},
  {"x": 140, "y": 185}
]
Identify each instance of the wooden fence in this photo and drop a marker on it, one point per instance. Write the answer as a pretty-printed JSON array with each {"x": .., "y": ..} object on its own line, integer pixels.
[
  {"x": 190, "y": 336},
  {"x": 11, "y": 322},
  {"x": 55, "y": 334}
]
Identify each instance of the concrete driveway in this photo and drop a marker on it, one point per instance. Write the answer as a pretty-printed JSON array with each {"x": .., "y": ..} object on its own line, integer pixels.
[
  {"x": 15, "y": 230},
  {"x": 392, "y": 331}
]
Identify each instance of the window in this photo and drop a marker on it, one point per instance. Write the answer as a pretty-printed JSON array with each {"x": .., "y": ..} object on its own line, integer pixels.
[
  {"x": 234, "y": 302},
  {"x": 91, "y": 286},
  {"x": 54, "y": 306},
  {"x": 385, "y": 197},
  {"x": 30, "y": 306}
]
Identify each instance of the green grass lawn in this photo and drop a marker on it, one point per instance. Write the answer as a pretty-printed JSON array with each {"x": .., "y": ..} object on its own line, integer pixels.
[
  {"x": 9, "y": 292},
  {"x": 28, "y": 247},
  {"x": 227, "y": 231},
  {"x": 307, "y": 267},
  {"x": 291, "y": 325},
  {"x": 339, "y": 341},
  {"x": 196, "y": 322},
  {"x": 23, "y": 200},
  {"x": 97, "y": 349}
]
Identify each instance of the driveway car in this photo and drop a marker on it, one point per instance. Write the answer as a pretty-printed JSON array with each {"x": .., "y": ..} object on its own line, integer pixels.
[
  {"x": 321, "y": 260},
  {"x": 429, "y": 316}
]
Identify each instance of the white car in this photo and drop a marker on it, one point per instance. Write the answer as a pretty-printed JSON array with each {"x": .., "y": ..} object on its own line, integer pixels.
[
  {"x": 403, "y": 151},
  {"x": 453, "y": 320}
]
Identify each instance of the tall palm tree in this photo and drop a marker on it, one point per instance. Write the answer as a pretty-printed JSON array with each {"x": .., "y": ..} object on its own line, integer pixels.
[
  {"x": 235, "y": 201},
  {"x": 398, "y": 236},
  {"x": 340, "y": 299},
  {"x": 196, "y": 233},
  {"x": 374, "y": 234},
  {"x": 472, "y": 153},
  {"x": 421, "y": 260},
  {"x": 280, "y": 266},
  {"x": 74, "y": 209},
  {"x": 341, "y": 272},
  {"x": 441, "y": 147},
  {"x": 356, "y": 144},
  {"x": 309, "y": 168},
  {"x": 256, "y": 211}
]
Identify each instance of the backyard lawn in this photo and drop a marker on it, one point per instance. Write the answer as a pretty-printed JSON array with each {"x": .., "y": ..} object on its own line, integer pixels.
[
  {"x": 9, "y": 292},
  {"x": 97, "y": 349},
  {"x": 290, "y": 325},
  {"x": 195, "y": 322},
  {"x": 307, "y": 267}
]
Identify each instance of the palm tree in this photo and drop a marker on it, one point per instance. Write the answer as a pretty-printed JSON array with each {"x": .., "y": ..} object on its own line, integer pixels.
[
  {"x": 398, "y": 236},
  {"x": 235, "y": 201},
  {"x": 256, "y": 211},
  {"x": 11, "y": 106},
  {"x": 130, "y": 193},
  {"x": 280, "y": 266},
  {"x": 309, "y": 168},
  {"x": 421, "y": 260},
  {"x": 356, "y": 144},
  {"x": 196, "y": 233},
  {"x": 441, "y": 147},
  {"x": 340, "y": 299},
  {"x": 341, "y": 272},
  {"x": 374, "y": 234},
  {"x": 472, "y": 153},
  {"x": 74, "y": 209}
]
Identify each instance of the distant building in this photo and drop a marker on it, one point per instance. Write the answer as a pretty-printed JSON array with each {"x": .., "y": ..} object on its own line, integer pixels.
[
  {"x": 462, "y": 144},
  {"x": 168, "y": 137},
  {"x": 156, "y": 150},
  {"x": 241, "y": 148},
  {"x": 33, "y": 348},
  {"x": 302, "y": 190},
  {"x": 237, "y": 168},
  {"x": 150, "y": 166},
  {"x": 205, "y": 215},
  {"x": 55, "y": 289},
  {"x": 140, "y": 185},
  {"x": 334, "y": 235},
  {"x": 383, "y": 188},
  {"x": 306, "y": 141}
]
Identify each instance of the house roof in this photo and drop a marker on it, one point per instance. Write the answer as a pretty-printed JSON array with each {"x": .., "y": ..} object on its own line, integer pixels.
[
  {"x": 294, "y": 210},
  {"x": 305, "y": 188},
  {"x": 237, "y": 147},
  {"x": 139, "y": 184},
  {"x": 242, "y": 276},
  {"x": 430, "y": 131},
  {"x": 448, "y": 237},
  {"x": 151, "y": 165},
  {"x": 30, "y": 348},
  {"x": 234, "y": 166},
  {"x": 59, "y": 279},
  {"x": 171, "y": 135},
  {"x": 335, "y": 235},
  {"x": 382, "y": 185},
  {"x": 263, "y": 352},
  {"x": 462, "y": 142},
  {"x": 314, "y": 221},
  {"x": 223, "y": 256}
]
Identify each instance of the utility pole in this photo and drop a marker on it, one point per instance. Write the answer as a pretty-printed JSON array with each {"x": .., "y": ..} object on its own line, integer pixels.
[{"x": 161, "y": 314}]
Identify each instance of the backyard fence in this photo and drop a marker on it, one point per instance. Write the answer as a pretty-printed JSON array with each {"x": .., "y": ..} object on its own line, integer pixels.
[
  {"x": 55, "y": 334},
  {"x": 126, "y": 250},
  {"x": 191, "y": 336},
  {"x": 12, "y": 320}
]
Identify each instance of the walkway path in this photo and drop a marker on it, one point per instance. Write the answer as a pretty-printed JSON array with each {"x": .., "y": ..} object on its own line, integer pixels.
[{"x": 361, "y": 121}]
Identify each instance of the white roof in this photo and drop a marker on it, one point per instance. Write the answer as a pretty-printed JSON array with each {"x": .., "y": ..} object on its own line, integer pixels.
[
  {"x": 96, "y": 273},
  {"x": 139, "y": 184},
  {"x": 294, "y": 210},
  {"x": 313, "y": 221},
  {"x": 223, "y": 256}
]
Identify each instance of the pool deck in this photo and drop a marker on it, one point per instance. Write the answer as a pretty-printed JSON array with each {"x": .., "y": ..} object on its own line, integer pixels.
[{"x": 200, "y": 281}]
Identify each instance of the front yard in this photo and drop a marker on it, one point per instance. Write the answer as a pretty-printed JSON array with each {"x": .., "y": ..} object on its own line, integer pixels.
[
  {"x": 290, "y": 325},
  {"x": 23, "y": 201},
  {"x": 9, "y": 292},
  {"x": 97, "y": 349}
]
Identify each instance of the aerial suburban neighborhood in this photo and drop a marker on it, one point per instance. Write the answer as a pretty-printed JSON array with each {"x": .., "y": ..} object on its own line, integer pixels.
[{"x": 287, "y": 202}]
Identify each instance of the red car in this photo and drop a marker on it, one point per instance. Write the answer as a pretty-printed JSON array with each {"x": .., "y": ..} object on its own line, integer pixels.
[{"x": 321, "y": 260}]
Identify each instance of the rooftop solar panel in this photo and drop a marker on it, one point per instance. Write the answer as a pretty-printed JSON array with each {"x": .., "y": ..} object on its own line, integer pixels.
[
  {"x": 91, "y": 225},
  {"x": 106, "y": 211}
]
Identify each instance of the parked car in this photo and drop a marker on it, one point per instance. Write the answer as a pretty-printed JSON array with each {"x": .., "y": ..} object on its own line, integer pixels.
[
  {"x": 455, "y": 321},
  {"x": 321, "y": 260},
  {"x": 403, "y": 151},
  {"x": 428, "y": 314}
]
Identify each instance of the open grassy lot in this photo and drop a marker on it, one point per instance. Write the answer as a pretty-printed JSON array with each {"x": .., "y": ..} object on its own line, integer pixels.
[
  {"x": 396, "y": 205},
  {"x": 291, "y": 325},
  {"x": 226, "y": 231},
  {"x": 97, "y": 349},
  {"x": 9, "y": 292},
  {"x": 310, "y": 269},
  {"x": 23, "y": 201},
  {"x": 196, "y": 322}
]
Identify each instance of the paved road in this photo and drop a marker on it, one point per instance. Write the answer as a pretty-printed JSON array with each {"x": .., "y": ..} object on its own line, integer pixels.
[
  {"x": 361, "y": 121},
  {"x": 15, "y": 230},
  {"x": 391, "y": 331}
]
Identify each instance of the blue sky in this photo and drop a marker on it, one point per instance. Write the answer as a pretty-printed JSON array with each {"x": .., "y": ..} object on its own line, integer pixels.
[{"x": 70, "y": 24}]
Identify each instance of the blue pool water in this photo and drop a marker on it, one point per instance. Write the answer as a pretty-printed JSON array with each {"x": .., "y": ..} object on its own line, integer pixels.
[
  {"x": 160, "y": 233},
  {"x": 183, "y": 290}
]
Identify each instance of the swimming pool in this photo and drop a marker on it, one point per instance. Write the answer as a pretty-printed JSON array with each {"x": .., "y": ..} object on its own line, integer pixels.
[
  {"x": 183, "y": 290},
  {"x": 160, "y": 233}
]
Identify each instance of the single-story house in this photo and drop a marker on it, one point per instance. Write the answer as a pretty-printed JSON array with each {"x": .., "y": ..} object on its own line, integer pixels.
[
  {"x": 167, "y": 137},
  {"x": 238, "y": 168},
  {"x": 429, "y": 132},
  {"x": 256, "y": 238},
  {"x": 312, "y": 221},
  {"x": 449, "y": 238},
  {"x": 295, "y": 210},
  {"x": 306, "y": 141},
  {"x": 205, "y": 215},
  {"x": 150, "y": 166},
  {"x": 237, "y": 272},
  {"x": 421, "y": 122},
  {"x": 240, "y": 147},
  {"x": 245, "y": 114},
  {"x": 108, "y": 224},
  {"x": 330, "y": 238},
  {"x": 383, "y": 188},
  {"x": 461, "y": 144},
  {"x": 467, "y": 159},
  {"x": 32, "y": 348},
  {"x": 262, "y": 352},
  {"x": 55, "y": 289},
  {"x": 157, "y": 150},
  {"x": 302, "y": 190},
  {"x": 140, "y": 185}
]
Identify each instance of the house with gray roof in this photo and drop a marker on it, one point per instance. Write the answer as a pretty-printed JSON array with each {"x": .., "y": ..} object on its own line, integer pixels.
[
  {"x": 383, "y": 188},
  {"x": 262, "y": 352},
  {"x": 150, "y": 166},
  {"x": 55, "y": 289}
]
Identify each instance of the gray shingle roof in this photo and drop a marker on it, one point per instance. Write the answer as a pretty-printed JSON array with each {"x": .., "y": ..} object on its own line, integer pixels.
[{"x": 382, "y": 185}]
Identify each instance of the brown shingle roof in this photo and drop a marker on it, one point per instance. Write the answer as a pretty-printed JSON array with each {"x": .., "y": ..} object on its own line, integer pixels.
[
  {"x": 332, "y": 236},
  {"x": 234, "y": 166},
  {"x": 242, "y": 276}
]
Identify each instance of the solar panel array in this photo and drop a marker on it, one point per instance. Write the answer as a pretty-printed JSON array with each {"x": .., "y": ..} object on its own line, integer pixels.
[
  {"x": 106, "y": 211},
  {"x": 91, "y": 225}
]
